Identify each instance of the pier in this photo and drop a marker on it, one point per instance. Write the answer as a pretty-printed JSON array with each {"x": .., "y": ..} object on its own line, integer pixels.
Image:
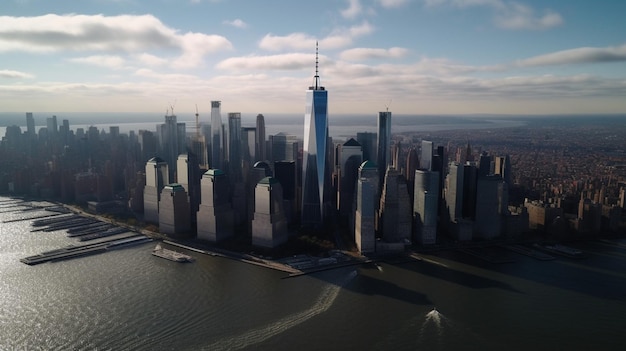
[{"x": 72, "y": 251}]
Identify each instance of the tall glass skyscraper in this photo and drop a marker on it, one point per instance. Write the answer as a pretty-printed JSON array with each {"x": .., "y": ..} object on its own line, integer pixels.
[
  {"x": 234, "y": 147},
  {"x": 384, "y": 143},
  {"x": 217, "y": 136},
  {"x": 260, "y": 138},
  {"x": 315, "y": 181}
]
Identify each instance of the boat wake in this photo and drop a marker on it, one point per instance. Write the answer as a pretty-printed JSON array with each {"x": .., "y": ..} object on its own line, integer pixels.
[{"x": 324, "y": 301}]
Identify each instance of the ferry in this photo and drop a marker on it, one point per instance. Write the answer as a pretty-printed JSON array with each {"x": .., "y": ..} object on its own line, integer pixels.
[{"x": 171, "y": 254}]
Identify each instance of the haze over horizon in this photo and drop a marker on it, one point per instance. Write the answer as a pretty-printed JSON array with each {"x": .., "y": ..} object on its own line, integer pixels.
[{"x": 422, "y": 56}]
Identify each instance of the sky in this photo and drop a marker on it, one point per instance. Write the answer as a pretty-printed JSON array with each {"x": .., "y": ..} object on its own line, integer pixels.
[{"x": 408, "y": 56}]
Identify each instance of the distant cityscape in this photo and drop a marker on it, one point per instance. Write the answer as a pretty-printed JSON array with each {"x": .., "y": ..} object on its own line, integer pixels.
[{"x": 374, "y": 193}]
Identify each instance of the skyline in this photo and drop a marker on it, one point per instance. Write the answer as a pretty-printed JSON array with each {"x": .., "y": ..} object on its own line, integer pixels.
[{"x": 463, "y": 57}]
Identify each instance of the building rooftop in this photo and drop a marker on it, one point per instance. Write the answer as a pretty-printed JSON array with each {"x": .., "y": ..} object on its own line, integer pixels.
[
  {"x": 214, "y": 172},
  {"x": 156, "y": 159},
  {"x": 352, "y": 142},
  {"x": 368, "y": 164},
  {"x": 268, "y": 181}
]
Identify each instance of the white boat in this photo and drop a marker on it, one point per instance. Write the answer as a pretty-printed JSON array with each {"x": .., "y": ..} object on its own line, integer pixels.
[{"x": 171, "y": 254}]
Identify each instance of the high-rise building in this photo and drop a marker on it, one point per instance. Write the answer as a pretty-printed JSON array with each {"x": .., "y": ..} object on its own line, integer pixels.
[
  {"x": 157, "y": 176},
  {"x": 350, "y": 159},
  {"x": 234, "y": 147},
  {"x": 269, "y": 226},
  {"x": 217, "y": 136},
  {"x": 189, "y": 177},
  {"x": 412, "y": 164},
  {"x": 174, "y": 212},
  {"x": 383, "y": 148},
  {"x": 426, "y": 159},
  {"x": 316, "y": 172},
  {"x": 30, "y": 124},
  {"x": 284, "y": 147},
  {"x": 368, "y": 143},
  {"x": 285, "y": 173},
  {"x": 502, "y": 167},
  {"x": 51, "y": 124},
  {"x": 454, "y": 191},
  {"x": 248, "y": 150},
  {"x": 491, "y": 206},
  {"x": 171, "y": 135},
  {"x": 260, "y": 138},
  {"x": 148, "y": 144},
  {"x": 425, "y": 206},
  {"x": 365, "y": 212},
  {"x": 395, "y": 210},
  {"x": 215, "y": 216}
]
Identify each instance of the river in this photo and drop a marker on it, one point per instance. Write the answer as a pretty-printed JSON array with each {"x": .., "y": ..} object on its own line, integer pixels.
[{"x": 127, "y": 299}]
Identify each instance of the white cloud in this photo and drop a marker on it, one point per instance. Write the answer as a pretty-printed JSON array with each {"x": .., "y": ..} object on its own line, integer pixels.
[
  {"x": 237, "y": 23},
  {"x": 6, "y": 73},
  {"x": 150, "y": 60},
  {"x": 518, "y": 16},
  {"x": 339, "y": 38},
  {"x": 392, "y": 3},
  {"x": 294, "y": 61},
  {"x": 354, "y": 9},
  {"x": 578, "y": 55},
  {"x": 508, "y": 14},
  {"x": 107, "y": 61},
  {"x": 361, "y": 54},
  {"x": 125, "y": 33}
]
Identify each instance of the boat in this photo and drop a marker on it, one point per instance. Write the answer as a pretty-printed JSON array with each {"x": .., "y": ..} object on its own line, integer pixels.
[{"x": 171, "y": 254}]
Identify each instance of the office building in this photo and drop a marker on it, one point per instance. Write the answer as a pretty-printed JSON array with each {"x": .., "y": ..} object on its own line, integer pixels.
[
  {"x": 395, "y": 210},
  {"x": 174, "y": 212},
  {"x": 217, "y": 137},
  {"x": 157, "y": 176},
  {"x": 189, "y": 176},
  {"x": 284, "y": 147},
  {"x": 171, "y": 135},
  {"x": 491, "y": 206},
  {"x": 368, "y": 144},
  {"x": 285, "y": 173},
  {"x": 350, "y": 159},
  {"x": 383, "y": 147},
  {"x": 260, "y": 138},
  {"x": 269, "y": 226},
  {"x": 425, "y": 206},
  {"x": 365, "y": 212},
  {"x": 215, "y": 216},
  {"x": 426, "y": 159},
  {"x": 315, "y": 168},
  {"x": 30, "y": 125},
  {"x": 234, "y": 148}
]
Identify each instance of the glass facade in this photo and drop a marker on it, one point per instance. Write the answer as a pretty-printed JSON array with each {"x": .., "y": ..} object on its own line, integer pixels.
[
  {"x": 384, "y": 142},
  {"x": 216, "y": 136},
  {"x": 314, "y": 155}
]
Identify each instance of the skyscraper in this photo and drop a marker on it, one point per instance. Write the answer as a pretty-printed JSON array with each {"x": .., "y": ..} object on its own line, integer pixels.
[
  {"x": 368, "y": 143},
  {"x": 269, "y": 226},
  {"x": 425, "y": 206},
  {"x": 174, "y": 216},
  {"x": 260, "y": 138},
  {"x": 395, "y": 210},
  {"x": 189, "y": 177},
  {"x": 157, "y": 176},
  {"x": 217, "y": 137},
  {"x": 315, "y": 175},
  {"x": 234, "y": 147},
  {"x": 384, "y": 143},
  {"x": 30, "y": 124},
  {"x": 215, "y": 217},
  {"x": 172, "y": 141},
  {"x": 426, "y": 161},
  {"x": 365, "y": 214},
  {"x": 350, "y": 158}
]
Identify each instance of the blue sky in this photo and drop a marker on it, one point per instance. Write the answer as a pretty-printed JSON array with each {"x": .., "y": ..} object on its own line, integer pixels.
[{"x": 423, "y": 56}]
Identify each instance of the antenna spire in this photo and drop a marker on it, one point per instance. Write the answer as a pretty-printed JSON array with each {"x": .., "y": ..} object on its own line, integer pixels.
[{"x": 317, "y": 61}]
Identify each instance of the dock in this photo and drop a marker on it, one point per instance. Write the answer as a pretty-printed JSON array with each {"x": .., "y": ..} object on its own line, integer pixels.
[{"x": 72, "y": 251}]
